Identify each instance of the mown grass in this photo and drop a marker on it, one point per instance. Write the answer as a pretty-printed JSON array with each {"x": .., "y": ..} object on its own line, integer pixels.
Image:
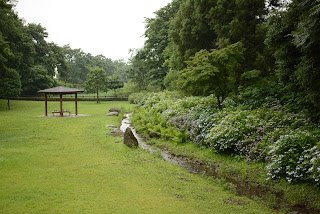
[{"x": 70, "y": 165}]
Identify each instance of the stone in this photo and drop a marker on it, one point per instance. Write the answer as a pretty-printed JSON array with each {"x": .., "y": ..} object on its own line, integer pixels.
[
  {"x": 111, "y": 126},
  {"x": 114, "y": 109},
  {"x": 116, "y": 133},
  {"x": 129, "y": 139},
  {"x": 113, "y": 114}
]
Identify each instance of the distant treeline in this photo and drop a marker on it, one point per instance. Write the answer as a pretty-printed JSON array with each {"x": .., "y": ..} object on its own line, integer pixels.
[{"x": 29, "y": 63}]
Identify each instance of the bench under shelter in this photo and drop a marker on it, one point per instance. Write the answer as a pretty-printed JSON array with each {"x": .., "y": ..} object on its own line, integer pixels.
[{"x": 61, "y": 90}]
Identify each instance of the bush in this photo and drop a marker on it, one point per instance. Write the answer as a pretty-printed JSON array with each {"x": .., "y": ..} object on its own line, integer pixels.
[
  {"x": 268, "y": 133},
  {"x": 292, "y": 155}
]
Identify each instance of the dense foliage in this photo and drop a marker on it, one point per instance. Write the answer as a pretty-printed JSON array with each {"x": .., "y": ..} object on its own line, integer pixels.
[
  {"x": 211, "y": 72},
  {"x": 280, "y": 55},
  {"x": 270, "y": 133}
]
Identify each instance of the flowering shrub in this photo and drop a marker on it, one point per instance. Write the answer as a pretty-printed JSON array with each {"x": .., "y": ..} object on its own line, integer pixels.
[
  {"x": 252, "y": 146},
  {"x": 201, "y": 125},
  {"x": 266, "y": 133},
  {"x": 232, "y": 130},
  {"x": 315, "y": 161},
  {"x": 291, "y": 157}
]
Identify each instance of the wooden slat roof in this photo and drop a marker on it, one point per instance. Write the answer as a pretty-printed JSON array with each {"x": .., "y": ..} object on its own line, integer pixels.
[{"x": 60, "y": 90}]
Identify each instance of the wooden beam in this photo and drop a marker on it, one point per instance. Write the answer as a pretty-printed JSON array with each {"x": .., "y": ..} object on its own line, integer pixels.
[
  {"x": 61, "y": 112},
  {"x": 46, "y": 104}
]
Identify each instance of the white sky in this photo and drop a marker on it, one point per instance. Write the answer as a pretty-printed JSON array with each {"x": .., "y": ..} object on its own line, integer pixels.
[{"x": 107, "y": 27}]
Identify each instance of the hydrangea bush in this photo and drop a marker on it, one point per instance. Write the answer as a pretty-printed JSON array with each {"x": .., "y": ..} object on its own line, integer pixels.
[
  {"x": 295, "y": 157},
  {"x": 268, "y": 133}
]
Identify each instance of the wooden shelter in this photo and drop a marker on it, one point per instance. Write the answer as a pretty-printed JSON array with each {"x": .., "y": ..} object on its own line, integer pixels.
[{"x": 61, "y": 91}]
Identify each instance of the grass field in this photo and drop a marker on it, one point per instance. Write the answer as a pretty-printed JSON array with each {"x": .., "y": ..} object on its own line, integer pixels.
[{"x": 70, "y": 165}]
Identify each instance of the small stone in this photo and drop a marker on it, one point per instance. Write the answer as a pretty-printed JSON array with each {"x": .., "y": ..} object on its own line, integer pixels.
[
  {"x": 129, "y": 139},
  {"x": 111, "y": 126},
  {"x": 114, "y": 109},
  {"x": 113, "y": 114},
  {"x": 116, "y": 133}
]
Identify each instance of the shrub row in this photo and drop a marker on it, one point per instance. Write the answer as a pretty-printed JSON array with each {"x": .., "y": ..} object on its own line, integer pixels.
[{"x": 287, "y": 141}]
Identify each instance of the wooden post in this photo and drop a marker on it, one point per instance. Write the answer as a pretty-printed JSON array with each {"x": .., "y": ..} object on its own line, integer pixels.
[
  {"x": 61, "y": 112},
  {"x": 76, "y": 99},
  {"x": 46, "y": 104}
]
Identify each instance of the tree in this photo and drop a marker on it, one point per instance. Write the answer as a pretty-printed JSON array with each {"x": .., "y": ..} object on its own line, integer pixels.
[
  {"x": 293, "y": 37},
  {"x": 213, "y": 72},
  {"x": 105, "y": 63},
  {"x": 138, "y": 73},
  {"x": 115, "y": 82},
  {"x": 10, "y": 85},
  {"x": 38, "y": 80},
  {"x": 18, "y": 40},
  {"x": 96, "y": 81},
  {"x": 157, "y": 40},
  {"x": 190, "y": 32},
  {"x": 122, "y": 68},
  {"x": 242, "y": 20}
]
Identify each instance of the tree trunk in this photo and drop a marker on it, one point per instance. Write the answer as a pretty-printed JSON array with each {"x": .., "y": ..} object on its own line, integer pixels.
[
  {"x": 98, "y": 96},
  {"x": 8, "y": 104},
  {"x": 219, "y": 102},
  {"x": 115, "y": 93}
]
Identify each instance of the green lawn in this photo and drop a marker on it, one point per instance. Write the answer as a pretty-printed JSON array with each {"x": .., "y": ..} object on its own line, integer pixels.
[{"x": 70, "y": 165}]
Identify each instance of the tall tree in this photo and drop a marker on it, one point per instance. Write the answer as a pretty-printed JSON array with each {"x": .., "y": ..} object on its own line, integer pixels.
[
  {"x": 19, "y": 41},
  {"x": 157, "y": 40},
  {"x": 78, "y": 64},
  {"x": 96, "y": 81},
  {"x": 138, "y": 72},
  {"x": 293, "y": 38},
  {"x": 10, "y": 85},
  {"x": 190, "y": 32},
  {"x": 47, "y": 54},
  {"x": 241, "y": 20}
]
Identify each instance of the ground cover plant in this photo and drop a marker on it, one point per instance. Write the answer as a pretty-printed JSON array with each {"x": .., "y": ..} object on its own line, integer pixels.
[
  {"x": 70, "y": 165},
  {"x": 285, "y": 143}
]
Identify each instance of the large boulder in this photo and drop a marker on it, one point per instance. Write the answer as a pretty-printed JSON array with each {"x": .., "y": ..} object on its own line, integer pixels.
[
  {"x": 114, "y": 109},
  {"x": 129, "y": 139}
]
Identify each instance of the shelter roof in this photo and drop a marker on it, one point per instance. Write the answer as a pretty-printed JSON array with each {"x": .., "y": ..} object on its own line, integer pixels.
[{"x": 60, "y": 90}]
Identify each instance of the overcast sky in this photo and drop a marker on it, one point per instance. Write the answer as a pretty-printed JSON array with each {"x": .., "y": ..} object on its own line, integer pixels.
[{"x": 107, "y": 27}]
